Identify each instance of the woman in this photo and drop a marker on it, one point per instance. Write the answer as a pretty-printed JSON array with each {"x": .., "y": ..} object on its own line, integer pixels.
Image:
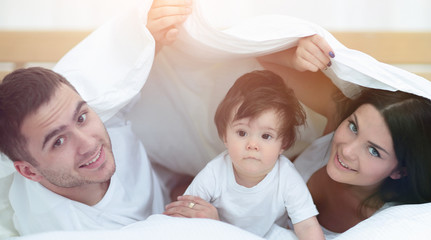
[{"x": 378, "y": 156}]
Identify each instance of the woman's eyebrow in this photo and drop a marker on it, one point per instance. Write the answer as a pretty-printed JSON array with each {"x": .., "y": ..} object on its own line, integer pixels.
[
  {"x": 356, "y": 120},
  {"x": 371, "y": 143}
]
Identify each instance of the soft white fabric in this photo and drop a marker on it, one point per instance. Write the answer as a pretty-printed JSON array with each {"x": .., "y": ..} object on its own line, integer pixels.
[
  {"x": 7, "y": 228},
  {"x": 190, "y": 78},
  {"x": 134, "y": 194},
  {"x": 254, "y": 209},
  {"x": 314, "y": 157},
  {"x": 395, "y": 223},
  {"x": 156, "y": 227},
  {"x": 110, "y": 66},
  {"x": 6, "y": 175}
]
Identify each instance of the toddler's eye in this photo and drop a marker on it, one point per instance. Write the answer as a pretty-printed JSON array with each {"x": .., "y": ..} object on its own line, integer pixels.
[
  {"x": 266, "y": 136},
  {"x": 241, "y": 133}
]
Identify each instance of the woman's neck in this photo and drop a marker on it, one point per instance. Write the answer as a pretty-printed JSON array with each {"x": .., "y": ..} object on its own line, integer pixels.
[
  {"x": 362, "y": 193},
  {"x": 340, "y": 205}
]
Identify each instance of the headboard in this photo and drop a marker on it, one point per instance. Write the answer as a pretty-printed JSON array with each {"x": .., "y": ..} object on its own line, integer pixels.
[
  {"x": 408, "y": 50},
  {"x": 23, "y": 48}
]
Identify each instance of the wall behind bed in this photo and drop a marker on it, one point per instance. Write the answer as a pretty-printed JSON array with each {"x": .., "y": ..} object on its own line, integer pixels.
[{"x": 340, "y": 15}]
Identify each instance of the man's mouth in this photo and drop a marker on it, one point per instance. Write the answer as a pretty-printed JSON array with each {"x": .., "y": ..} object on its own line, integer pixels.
[{"x": 92, "y": 160}]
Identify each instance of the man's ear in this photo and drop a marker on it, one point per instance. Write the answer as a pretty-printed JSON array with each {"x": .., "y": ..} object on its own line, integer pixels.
[
  {"x": 27, "y": 170},
  {"x": 398, "y": 173}
]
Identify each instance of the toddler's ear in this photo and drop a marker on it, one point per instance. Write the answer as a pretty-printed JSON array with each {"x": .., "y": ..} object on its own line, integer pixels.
[{"x": 281, "y": 151}]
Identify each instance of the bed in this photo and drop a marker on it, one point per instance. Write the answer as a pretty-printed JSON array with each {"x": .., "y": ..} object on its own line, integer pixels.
[{"x": 407, "y": 50}]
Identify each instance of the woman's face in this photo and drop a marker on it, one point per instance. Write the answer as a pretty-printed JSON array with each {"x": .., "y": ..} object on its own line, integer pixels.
[{"x": 362, "y": 151}]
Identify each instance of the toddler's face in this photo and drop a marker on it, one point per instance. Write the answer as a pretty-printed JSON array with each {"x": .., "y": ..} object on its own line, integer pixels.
[{"x": 254, "y": 145}]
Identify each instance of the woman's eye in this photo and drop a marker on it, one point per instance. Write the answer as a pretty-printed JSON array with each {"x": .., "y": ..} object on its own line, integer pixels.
[
  {"x": 82, "y": 118},
  {"x": 352, "y": 127},
  {"x": 266, "y": 136},
  {"x": 373, "y": 151},
  {"x": 241, "y": 133},
  {"x": 59, "y": 142}
]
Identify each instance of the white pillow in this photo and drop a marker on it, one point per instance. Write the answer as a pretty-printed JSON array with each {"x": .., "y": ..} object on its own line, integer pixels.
[
  {"x": 398, "y": 222},
  {"x": 6, "y": 225}
]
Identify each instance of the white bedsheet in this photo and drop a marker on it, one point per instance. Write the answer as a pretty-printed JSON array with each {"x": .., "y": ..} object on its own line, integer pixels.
[{"x": 156, "y": 227}]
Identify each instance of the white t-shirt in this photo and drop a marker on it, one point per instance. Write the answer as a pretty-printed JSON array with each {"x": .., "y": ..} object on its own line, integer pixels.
[
  {"x": 257, "y": 208},
  {"x": 133, "y": 194}
]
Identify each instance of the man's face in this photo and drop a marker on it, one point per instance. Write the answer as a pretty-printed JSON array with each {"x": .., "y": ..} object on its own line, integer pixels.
[{"x": 69, "y": 143}]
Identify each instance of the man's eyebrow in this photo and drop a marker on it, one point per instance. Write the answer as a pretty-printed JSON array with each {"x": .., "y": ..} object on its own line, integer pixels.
[{"x": 61, "y": 128}]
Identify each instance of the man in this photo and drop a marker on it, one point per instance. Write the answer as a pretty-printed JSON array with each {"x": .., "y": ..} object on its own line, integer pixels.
[{"x": 70, "y": 175}]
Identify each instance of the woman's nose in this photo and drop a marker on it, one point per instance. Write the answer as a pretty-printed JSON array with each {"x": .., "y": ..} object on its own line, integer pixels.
[{"x": 350, "y": 150}]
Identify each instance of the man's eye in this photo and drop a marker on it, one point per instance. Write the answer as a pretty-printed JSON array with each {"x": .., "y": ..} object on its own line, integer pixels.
[
  {"x": 82, "y": 118},
  {"x": 59, "y": 142},
  {"x": 266, "y": 136},
  {"x": 241, "y": 133}
]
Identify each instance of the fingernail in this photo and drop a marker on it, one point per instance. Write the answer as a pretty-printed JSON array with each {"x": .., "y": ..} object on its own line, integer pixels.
[
  {"x": 331, "y": 54},
  {"x": 329, "y": 64}
]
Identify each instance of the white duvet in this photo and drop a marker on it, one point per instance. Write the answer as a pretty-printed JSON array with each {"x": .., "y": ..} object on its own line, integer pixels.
[{"x": 178, "y": 92}]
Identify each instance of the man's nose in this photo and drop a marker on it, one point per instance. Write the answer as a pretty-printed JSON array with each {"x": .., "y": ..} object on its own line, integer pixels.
[{"x": 84, "y": 142}]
